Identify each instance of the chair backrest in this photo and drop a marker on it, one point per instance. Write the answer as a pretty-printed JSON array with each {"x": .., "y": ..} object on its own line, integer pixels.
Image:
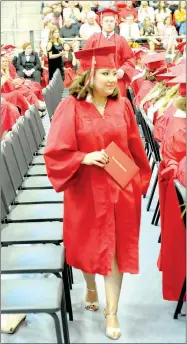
[
  {"x": 48, "y": 100},
  {"x": 54, "y": 96},
  {"x": 23, "y": 120},
  {"x": 34, "y": 128},
  {"x": 7, "y": 188},
  {"x": 11, "y": 164},
  {"x": 38, "y": 121},
  {"x": 12, "y": 137},
  {"x": 19, "y": 130},
  {"x": 3, "y": 208}
]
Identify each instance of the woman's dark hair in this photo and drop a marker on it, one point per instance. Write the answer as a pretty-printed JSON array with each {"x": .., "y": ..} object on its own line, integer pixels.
[
  {"x": 161, "y": 8},
  {"x": 79, "y": 90}
]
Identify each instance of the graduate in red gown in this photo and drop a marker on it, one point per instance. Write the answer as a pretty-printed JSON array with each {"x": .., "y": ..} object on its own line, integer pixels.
[
  {"x": 181, "y": 172},
  {"x": 9, "y": 85},
  {"x": 173, "y": 251},
  {"x": 101, "y": 220},
  {"x": 69, "y": 65},
  {"x": 9, "y": 116},
  {"x": 124, "y": 57}
]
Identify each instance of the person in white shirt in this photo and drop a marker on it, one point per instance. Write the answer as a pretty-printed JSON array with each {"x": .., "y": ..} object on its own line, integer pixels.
[
  {"x": 90, "y": 27},
  {"x": 145, "y": 11},
  {"x": 129, "y": 29}
]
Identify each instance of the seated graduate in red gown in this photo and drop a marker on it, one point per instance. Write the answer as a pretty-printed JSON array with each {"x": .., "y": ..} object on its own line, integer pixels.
[
  {"x": 70, "y": 63},
  {"x": 9, "y": 85},
  {"x": 101, "y": 219},
  {"x": 9, "y": 116},
  {"x": 173, "y": 150},
  {"x": 124, "y": 57}
]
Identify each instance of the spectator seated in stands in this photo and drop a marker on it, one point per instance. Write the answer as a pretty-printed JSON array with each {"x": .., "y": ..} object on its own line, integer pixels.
[
  {"x": 70, "y": 30},
  {"x": 170, "y": 34},
  {"x": 145, "y": 12},
  {"x": 154, "y": 4},
  {"x": 172, "y": 5},
  {"x": 90, "y": 27},
  {"x": 129, "y": 28},
  {"x": 28, "y": 63},
  {"x": 72, "y": 12},
  {"x": 180, "y": 18},
  {"x": 160, "y": 15},
  {"x": 128, "y": 10},
  {"x": 106, "y": 4},
  {"x": 51, "y": 6},
  {"x": 149, "y": 29},
  {"x": 54, "y": 18}
]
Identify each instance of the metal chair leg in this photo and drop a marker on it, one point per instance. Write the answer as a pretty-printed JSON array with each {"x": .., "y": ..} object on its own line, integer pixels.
[
  {"x": 152, "y": 193},
  {"x": 155, "y": 213},
  {"x": 71, "y": 274},
  {"x": 64, "y": 321},
  {"x": 57, "y": 327},
  {"x": 180, "y": 301},
  {"x": 67, "y": 292},
  {"x": 157, "y": 218},
  {"x": 159, "y": 239}
]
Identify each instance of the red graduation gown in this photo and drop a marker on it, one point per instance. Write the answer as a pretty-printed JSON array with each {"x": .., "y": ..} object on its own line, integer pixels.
[
  {"x": 34, "y": 86},
  {"x": 172, "y": 255},
  {"x": 9, "y": 116},
  {"x": 145, "y": 88},
  {"x": 98, "y": 215},
  {"x": 162, "y": 122},
  {"x": 181, "y": 172},
  {"x": 124, "y": 56}
]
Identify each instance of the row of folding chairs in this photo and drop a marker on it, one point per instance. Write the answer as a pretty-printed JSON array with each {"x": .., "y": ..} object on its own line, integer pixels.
[
  {"x": 54, "y": 92},
  {"x": 32, "y": 214},
  {"x": 153, "y": 153}
]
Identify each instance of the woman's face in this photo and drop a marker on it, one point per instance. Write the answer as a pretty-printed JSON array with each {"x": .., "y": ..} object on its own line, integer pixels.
[
  {"x": 66, "y": 47},
  {"x": 144, "y": 4},
  {"x": 4, "y": 62},
  {"x": 56, "y": 34},
  {"x": 28, "y": 50},
  {"x": 105, "y": 81},
  {"x": 162, "y": 4}
]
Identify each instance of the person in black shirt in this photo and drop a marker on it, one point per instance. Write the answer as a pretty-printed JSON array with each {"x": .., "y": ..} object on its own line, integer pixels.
[
  {"x": 28, "y": 63},
  {"x": 70, "y": 30},
  {"x": 55, "y": 53}
]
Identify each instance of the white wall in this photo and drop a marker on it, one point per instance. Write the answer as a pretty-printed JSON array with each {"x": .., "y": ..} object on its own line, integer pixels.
[{"x": 22, "y": 16}]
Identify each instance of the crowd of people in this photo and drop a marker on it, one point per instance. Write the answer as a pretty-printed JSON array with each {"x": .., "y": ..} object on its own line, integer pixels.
[{"x": 158, "y": 83}]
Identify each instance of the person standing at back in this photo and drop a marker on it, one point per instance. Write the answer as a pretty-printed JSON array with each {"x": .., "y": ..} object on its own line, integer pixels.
[{"x": 124, "y": 57}]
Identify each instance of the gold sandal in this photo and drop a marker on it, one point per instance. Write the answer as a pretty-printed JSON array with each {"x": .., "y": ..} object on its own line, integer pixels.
[
  {"x": 92, "y": 306},
  {"x": 112, "y": 332}
]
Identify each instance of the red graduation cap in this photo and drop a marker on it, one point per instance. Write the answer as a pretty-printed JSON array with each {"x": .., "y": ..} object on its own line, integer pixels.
[
  {"x": 181, "y": 80},
  {"x": 107, "y": 12},
  {"x": 139, "y": 52},
  {"x": 155, "y": 61},
  {"x": 9, "y": 47},
  {"x": 97, "y": 58},
  {"x": 166, "y": 76},
  {"x": 179, "y": 69},
  {"x": 180, "y": 47}
]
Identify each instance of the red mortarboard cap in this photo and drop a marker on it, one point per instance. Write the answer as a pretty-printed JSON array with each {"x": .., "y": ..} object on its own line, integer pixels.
[
  {"x": 138, "y": 53},
  {"x": 166, "y": 76},
  {"x": 180, "y": 47},
  {"x": 9, "y": 47},
  {"x": 181, "y": 80},
  {"x": 101, "y": 58},
  {"x": 155, "y": 61},
  {"x": 107, "y": 12},
  {"x": 179, "y": 69}
]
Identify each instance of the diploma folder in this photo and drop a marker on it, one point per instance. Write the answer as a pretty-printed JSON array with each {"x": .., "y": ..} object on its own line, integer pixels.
[{"x": 120, "y": 167}]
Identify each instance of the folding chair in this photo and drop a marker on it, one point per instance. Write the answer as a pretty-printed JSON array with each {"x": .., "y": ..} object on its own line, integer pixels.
[
  {"x": 34, "y": 170},
  {"x": 26, "y": 212},
  {"x": 181, "y": 194},
  {"x": 36, "y": 296},
  {"x": 35, "y": 131},
  {"x": 49, "y": 102},
  {"x": 33, "y": 109}
]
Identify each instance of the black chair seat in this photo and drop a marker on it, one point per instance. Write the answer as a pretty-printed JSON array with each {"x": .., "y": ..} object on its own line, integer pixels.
[
  {"x": 31, "y": 296},
  {"x": 36, "y": 212},
  {"x": 32, "y": 259},
  {"x": 35, "y": 232}
]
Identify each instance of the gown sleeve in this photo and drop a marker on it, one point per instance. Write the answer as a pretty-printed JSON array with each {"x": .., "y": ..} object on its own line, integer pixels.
[
  {"x": 62, "y": 157},
  {"x": 136, "y": 147}
]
